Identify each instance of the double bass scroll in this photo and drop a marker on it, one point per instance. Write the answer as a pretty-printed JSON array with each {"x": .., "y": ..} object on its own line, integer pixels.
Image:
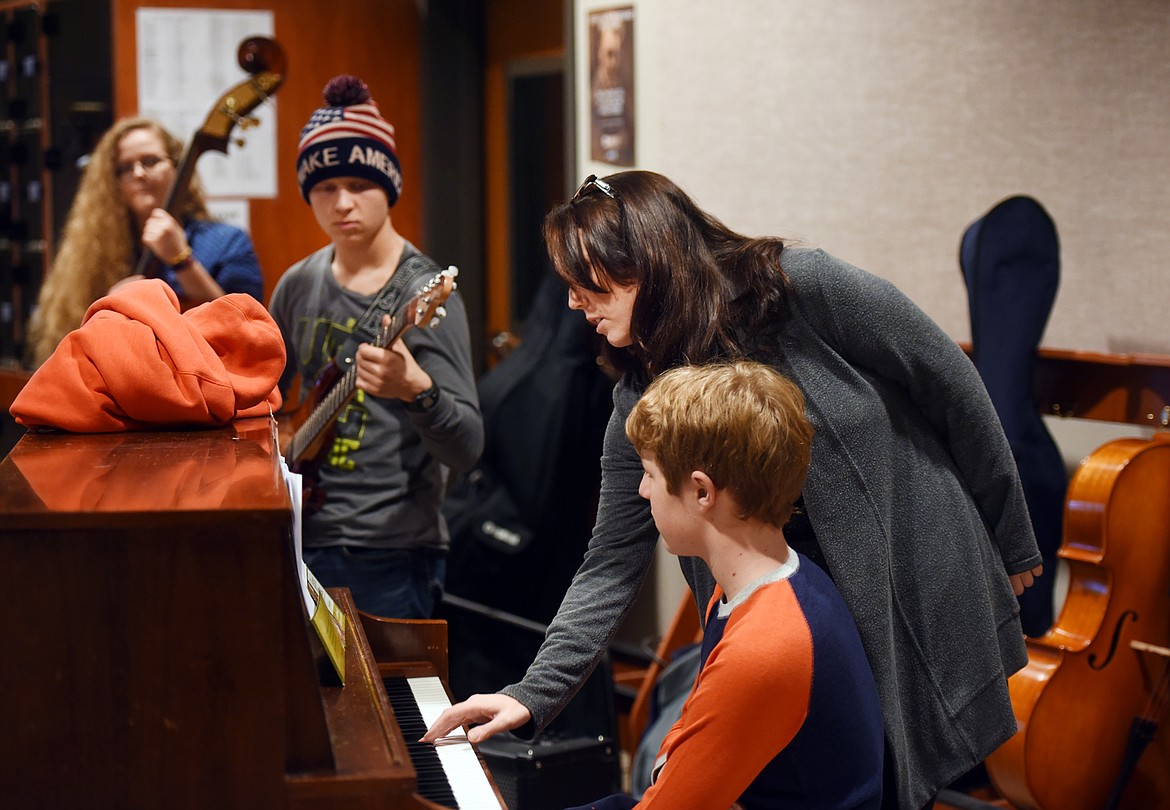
[{"x": 265, "y": 62}]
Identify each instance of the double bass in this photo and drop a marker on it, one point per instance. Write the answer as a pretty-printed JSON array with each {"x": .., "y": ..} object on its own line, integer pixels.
[
  {"x": 1089, "y": 701},
  {"x": 264, "y": 60}
]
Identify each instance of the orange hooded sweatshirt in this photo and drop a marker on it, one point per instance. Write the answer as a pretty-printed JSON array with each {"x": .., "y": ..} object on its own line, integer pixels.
[{"x": 137, "y": 363}]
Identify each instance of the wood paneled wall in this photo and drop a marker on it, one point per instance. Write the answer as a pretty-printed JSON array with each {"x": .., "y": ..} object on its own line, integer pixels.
[{"x": 377, "y": 40}]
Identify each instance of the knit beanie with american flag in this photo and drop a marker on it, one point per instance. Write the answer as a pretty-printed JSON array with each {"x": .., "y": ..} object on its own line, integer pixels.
[{"x": 348, "y": 137}]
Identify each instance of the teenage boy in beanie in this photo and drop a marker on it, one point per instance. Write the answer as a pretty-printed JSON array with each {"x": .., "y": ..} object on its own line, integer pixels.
[{"x": 414, "y": 420}]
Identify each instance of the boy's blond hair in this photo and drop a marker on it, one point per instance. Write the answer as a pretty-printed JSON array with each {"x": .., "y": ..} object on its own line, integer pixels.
[{"x": 741, "y": 423}]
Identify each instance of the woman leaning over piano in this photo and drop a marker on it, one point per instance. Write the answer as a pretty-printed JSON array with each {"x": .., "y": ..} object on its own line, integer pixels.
[{"x": 912, "y": 502}]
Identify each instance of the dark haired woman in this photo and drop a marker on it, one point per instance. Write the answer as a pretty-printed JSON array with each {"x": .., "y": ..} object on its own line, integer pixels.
[{"x": 912, "y": 502}]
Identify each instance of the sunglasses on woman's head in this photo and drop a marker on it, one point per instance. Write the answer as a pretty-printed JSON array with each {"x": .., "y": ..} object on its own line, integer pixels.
[{"x": 595, "y": 182}]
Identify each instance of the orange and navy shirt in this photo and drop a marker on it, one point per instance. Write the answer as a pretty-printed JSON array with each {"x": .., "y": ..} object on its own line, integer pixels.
[{"x": 784, "y": 712}]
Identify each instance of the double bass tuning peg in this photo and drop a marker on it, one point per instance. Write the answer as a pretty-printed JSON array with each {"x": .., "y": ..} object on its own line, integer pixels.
[{"x": 244, "y": 122}]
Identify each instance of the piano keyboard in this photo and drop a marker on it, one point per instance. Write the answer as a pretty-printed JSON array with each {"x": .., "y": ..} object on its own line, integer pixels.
[{"x": 450, "y": 774}]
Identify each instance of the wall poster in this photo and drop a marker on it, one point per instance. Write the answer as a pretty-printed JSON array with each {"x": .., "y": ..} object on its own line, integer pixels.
[
  {"x": 187, "y": 59},
  {"x": 611, "y": 85}
]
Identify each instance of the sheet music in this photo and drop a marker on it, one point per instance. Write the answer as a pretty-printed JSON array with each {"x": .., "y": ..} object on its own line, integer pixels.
[
  {"x": 293, "y": 481},
  {"x": 187, "y": 60}
]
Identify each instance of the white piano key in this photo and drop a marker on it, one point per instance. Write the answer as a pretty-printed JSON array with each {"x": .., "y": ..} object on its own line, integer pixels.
[{"x": 459, "y": 760}]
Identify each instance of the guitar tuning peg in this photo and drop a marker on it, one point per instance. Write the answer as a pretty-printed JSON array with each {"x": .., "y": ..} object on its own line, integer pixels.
[{"x": 239, "y": 142}]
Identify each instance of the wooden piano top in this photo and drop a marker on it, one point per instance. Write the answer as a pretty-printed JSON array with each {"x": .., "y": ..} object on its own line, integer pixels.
[{"x": 130, "y": 478}]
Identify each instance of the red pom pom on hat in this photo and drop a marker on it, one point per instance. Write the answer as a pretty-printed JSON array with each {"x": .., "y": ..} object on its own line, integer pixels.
[{"x": 346, "y": 90}]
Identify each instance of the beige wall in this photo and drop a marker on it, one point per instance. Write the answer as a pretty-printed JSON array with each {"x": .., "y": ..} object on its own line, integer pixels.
[{"x": 879, "y": 131}]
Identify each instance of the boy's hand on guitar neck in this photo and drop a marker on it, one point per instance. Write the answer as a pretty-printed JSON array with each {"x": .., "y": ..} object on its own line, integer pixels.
[{"x": 391, "y": 373}]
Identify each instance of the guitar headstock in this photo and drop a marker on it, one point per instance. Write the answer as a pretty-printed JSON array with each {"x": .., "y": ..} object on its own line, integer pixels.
[
  {"x": 264, "y": 59},
  {"x": 426, "y": 308}
]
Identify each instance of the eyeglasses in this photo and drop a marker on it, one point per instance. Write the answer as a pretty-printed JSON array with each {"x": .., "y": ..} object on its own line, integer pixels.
[
  {"x": 148, "y": 164},
  {"x": 593, "y": 181}
]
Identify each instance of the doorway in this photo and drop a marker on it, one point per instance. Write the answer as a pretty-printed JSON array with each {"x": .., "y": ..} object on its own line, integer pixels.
[{"x": 536, "y": 174}]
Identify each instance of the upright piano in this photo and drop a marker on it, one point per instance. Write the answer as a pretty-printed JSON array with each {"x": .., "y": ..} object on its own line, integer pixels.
[{"x": 157, "y": 652}]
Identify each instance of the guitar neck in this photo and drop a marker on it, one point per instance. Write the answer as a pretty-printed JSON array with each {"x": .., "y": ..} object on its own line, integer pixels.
[
  {"x": 323, "y": 415},
  {"x": 330, "y": 406}
]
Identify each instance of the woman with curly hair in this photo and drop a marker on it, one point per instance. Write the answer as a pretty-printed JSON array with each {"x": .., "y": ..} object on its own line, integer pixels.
[{"x": 117, "y": 212}]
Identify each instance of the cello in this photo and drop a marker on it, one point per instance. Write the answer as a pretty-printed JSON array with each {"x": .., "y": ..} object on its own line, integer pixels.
[
  {"x": 1087, "y": 703},
  {"x": 263, "y": 59}
]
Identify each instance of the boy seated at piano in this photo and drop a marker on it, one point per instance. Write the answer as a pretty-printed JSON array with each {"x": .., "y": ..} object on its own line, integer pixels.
[{"x": 784, "y": 711}]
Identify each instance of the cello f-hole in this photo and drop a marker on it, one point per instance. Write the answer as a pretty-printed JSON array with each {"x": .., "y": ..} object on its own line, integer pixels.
[{"x": 1129, "y": 614}]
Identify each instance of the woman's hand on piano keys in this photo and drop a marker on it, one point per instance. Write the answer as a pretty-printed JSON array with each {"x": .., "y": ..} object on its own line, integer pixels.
[{"x": 492, "y": 714}]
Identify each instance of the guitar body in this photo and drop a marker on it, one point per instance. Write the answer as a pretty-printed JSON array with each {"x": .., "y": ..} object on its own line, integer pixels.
[
  {"x": 1084, "y": 685},
  {"x": 313, "y": 455}
]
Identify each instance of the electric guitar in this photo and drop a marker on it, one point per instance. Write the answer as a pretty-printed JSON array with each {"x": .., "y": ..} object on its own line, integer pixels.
[{"x": 337, "y": 383}]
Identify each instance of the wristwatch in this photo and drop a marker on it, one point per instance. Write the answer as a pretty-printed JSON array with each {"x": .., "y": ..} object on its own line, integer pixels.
[{"x": 424, "y": 401}]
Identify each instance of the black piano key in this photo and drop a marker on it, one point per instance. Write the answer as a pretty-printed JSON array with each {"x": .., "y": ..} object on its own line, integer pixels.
[{"x": 432, "y": 779}]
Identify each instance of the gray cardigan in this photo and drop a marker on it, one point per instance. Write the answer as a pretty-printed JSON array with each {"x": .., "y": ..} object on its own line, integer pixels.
[{"x": 917, "y": 508}]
